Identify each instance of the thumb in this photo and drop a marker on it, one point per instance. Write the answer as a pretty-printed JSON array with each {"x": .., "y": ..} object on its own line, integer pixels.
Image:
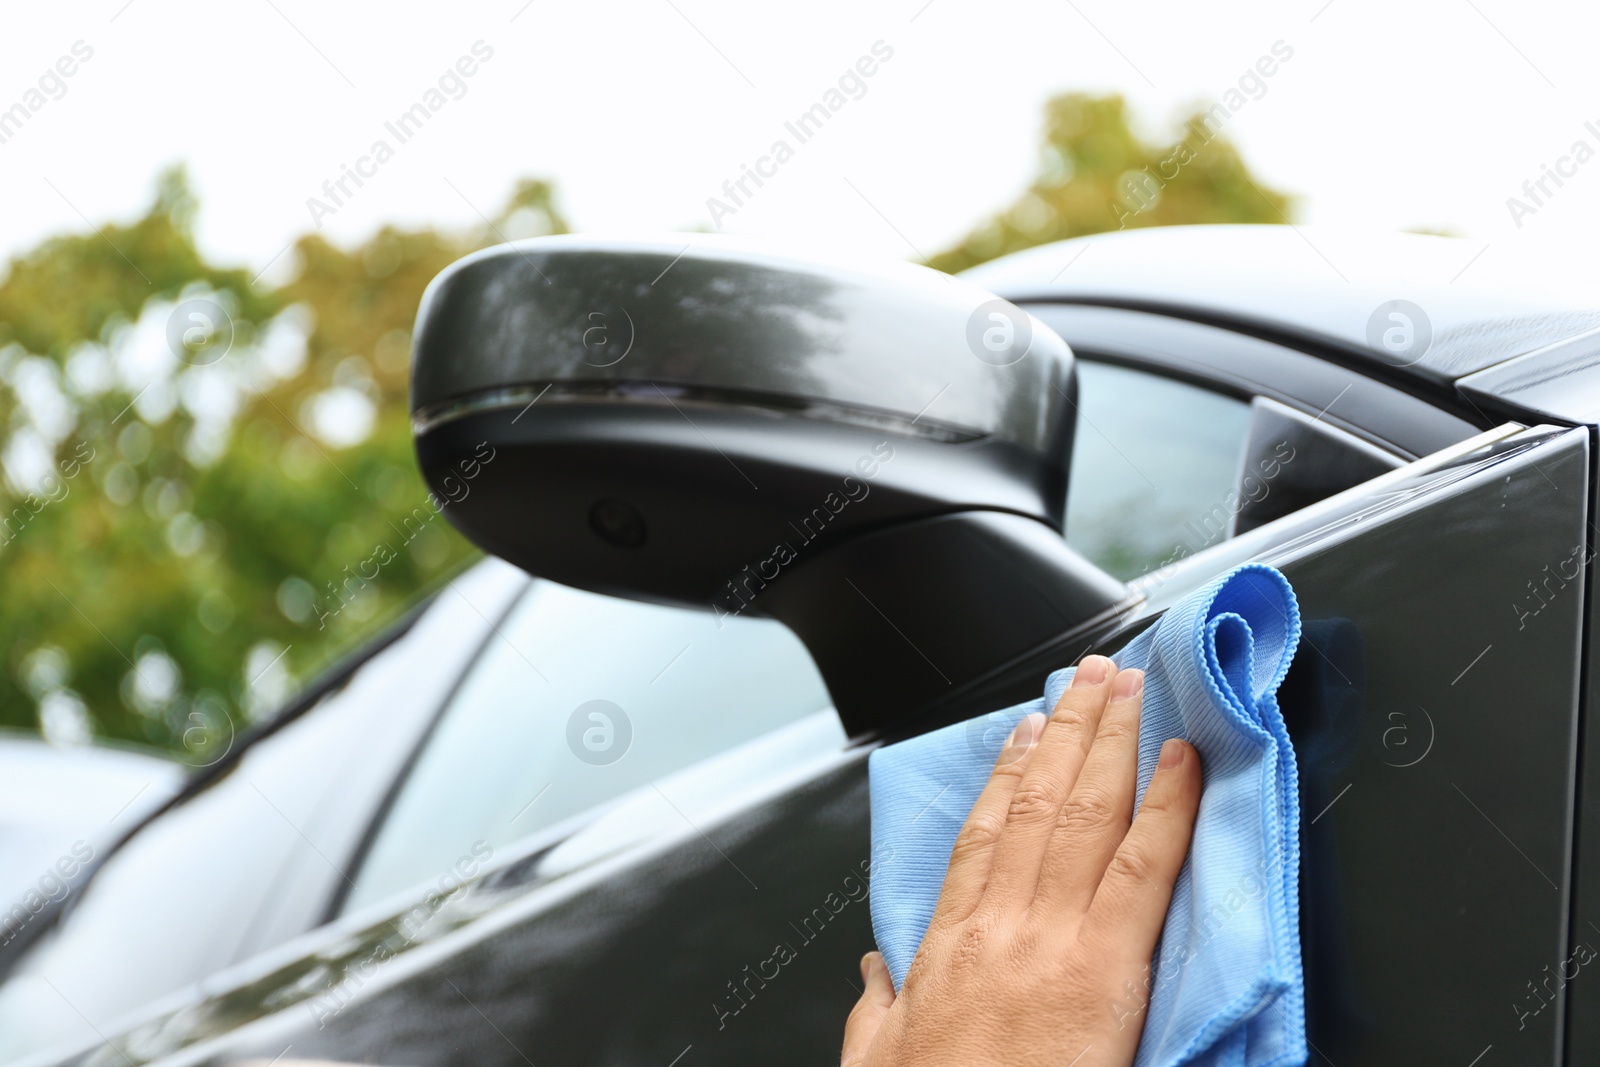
[{"x": 861, "y": 1029}]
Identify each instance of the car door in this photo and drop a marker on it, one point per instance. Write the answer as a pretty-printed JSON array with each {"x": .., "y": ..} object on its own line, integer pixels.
[
  {"x": 1369, "y": 702},
  {"x": 1433, "y": 709},
  {"x": 730, "y": 931}
]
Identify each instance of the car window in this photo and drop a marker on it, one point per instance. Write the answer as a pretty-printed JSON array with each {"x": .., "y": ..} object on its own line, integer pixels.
[
  {"x": 1154, "y": 467},
  {"x": 578, "y": 699},
  {"x": 181, "y": 899}
]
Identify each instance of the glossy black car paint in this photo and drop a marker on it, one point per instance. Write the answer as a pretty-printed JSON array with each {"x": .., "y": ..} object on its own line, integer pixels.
[
  {"x": 1435, "y": 887},
  {"x": 711, "y": 426},
  {"x": 829, "y": 341},
  {"x": 1431, "y": 845}
]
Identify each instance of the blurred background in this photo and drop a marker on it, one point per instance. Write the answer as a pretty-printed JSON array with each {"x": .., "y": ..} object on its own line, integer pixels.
[{"x": 220, "y": 220}]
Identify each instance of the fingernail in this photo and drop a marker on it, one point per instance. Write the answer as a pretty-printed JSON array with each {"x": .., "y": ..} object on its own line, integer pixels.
[
  {"x": 1171, "y": 753},
  {"x": 1026, "y": 733},
  {"x": 1092, "y": 671},
  {"x": 1129, "y": 683},
  {"x": 866, "y": 967}
]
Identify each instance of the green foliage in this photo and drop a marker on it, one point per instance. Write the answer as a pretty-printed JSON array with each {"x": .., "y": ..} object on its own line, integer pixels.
[
  {"x": 74, "y": 288},
  {"x": 193, "y": 540},
  {"x": 1096, "y": 174},
  {"x": 198, "y": 549}
]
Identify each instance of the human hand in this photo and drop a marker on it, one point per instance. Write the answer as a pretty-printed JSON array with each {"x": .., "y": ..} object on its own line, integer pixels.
[{"x": 1053, "y": 902}]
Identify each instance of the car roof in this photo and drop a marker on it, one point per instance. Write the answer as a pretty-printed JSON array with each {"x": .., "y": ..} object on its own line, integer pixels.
[
  {"x": 1325, "y": 286},
  {"x": 52, "y": 797}
]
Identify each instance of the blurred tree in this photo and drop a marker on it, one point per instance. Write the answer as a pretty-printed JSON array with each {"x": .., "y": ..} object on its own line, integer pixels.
[
  {"x": 201, "y": 474},
  {"x": 202, "y": 477},
  {"x": 1096, "y": 174}
]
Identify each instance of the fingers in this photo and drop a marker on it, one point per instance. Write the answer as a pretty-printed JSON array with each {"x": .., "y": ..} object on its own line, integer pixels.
[
  {"x": 1095, "y": 818},
  {"x": 973, "y": 853},
  {"x": 867, "y": 1016},
  {"x": 1052, "y": 769},
  {"x": 1131, "y": 903}
]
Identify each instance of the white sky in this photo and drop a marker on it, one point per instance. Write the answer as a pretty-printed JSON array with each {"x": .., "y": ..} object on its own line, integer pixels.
[{"x": 1389, "y": 114}]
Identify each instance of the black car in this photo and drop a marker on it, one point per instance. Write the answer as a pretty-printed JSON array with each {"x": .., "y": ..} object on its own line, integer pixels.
[{"x": 782, "y": 512}]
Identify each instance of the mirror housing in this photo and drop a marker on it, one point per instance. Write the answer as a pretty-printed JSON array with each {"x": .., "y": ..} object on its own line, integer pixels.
[{"x": 701, "y": 421}]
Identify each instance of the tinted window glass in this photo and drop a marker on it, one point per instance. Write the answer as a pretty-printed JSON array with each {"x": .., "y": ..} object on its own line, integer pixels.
[
  {"x": 579, "y": 699},
  {"x": 182, "y": 898},
  {"x": 1154, "y": 467}
]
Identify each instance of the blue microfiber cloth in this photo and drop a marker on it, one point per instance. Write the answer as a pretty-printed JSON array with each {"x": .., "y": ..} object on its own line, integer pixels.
[{"x": 1226, "y": 984}]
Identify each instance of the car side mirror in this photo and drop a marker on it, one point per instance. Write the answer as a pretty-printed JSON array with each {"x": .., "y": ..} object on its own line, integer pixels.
[{"x": 875, "y": 457}]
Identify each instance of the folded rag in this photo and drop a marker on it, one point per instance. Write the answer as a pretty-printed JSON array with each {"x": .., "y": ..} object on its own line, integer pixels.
[{"x": 1226, "y": 985}]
